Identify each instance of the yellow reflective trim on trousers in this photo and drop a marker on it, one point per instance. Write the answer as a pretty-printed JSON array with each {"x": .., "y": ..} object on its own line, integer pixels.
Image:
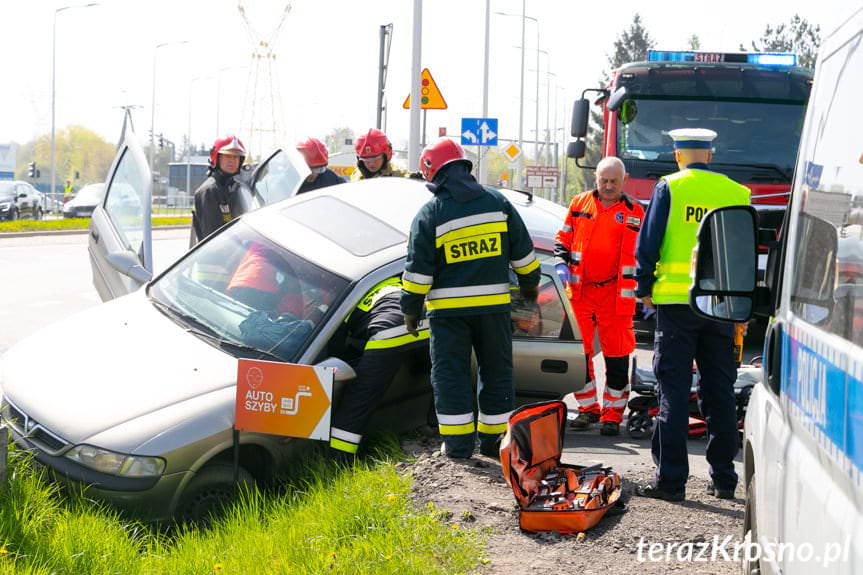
[
  {"x": 343, "y": 445},
  {"x": 397, "y": 341},
  {"x": 471, "y": 301},
  {"x": 463, "y": 429},
  {"x": 411, "y": 287},
  {"x": 491, "y": 429},
  {"x": 469, "y": 231},
  {"x": 528, "y": 268}
]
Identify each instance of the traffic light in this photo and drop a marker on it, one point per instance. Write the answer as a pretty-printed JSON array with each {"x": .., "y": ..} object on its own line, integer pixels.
[
  {"x": 77, "y": 175},
  {"x": 161, "y": 141},
  {"x": 31, "y": 169}
]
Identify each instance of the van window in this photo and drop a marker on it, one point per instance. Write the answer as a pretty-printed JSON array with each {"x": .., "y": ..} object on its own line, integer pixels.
[{"x": 831, "y": 192}]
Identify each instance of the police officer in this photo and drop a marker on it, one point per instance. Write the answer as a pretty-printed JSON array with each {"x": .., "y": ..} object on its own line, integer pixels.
[
  {"x": 217, "y": 199},
  {"x": 462, "y": 243},
  {"x": 377, "y": 327},
  {"x": 315, "y": 153},
  {"x": 374, "y": 153},
  {"x": 664, "y": 252},
  {"x": 595, "y": 259}
]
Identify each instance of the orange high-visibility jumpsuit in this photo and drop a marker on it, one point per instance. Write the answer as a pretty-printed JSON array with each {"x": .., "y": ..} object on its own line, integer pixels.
[{"x": 598, "y": 245}]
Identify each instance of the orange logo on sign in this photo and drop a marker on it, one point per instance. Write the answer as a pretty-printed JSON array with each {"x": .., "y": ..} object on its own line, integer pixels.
[{"x": 283, "y": 399}]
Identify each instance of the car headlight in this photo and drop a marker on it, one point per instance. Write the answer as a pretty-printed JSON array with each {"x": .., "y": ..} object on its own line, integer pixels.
[
  {"x": 5, "y": 206},
  {"x": 116, "y": 463}
]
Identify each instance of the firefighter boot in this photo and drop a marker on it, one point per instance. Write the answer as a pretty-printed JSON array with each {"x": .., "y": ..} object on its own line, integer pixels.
[{"x": 584, "y": 421}]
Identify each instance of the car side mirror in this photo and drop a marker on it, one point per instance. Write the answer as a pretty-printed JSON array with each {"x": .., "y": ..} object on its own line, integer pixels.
[
  {"x": 128, "y": 265},
  {"x": 580, "y": 114},
  {"x": 616, "y": 99},
  {"x": 576, "y": 149},
  {"x": 22, "y": 195},
  {"x": 726, "y": 265},
  {"x": 343, "y": 369}
]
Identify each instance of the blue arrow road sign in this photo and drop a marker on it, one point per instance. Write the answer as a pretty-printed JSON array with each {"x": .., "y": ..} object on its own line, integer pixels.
[{"x": 479, "y": 131}]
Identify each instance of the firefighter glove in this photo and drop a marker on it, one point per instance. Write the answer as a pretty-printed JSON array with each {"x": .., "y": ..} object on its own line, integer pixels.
[
  {"x": 529, "y": 293},
  {"x": 563, "y": 273},
  {"x": 411, "y": 324}
]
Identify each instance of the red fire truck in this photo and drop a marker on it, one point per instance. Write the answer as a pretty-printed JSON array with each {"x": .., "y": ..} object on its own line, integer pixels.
[{"x": 755, "y": 102}]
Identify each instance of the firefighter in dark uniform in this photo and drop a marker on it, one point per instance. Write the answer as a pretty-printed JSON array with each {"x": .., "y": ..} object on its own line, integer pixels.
[
  {"x": 217, "y": 200},
  {"x": 374, "y": 157},
  {"x": 663, "y": 254},
  {"x": 315, "y": 153},
  {"x": 377, "y": 326},
  {"x": 462, "y": 245}
]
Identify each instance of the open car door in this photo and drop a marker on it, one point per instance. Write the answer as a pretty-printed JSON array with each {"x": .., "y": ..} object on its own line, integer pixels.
[
  {"x": 279, "y": 177},
  {"x": 120, "y": 243}
]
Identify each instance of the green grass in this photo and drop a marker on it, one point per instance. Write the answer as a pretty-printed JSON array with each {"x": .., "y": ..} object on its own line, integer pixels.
[
  {"x": 330, "y": 519},
  {"x": 77, "y": 224}
]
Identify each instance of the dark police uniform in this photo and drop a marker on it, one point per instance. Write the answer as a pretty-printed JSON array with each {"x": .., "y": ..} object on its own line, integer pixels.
[
  {"x": 663, "y": 256},
  {"x": 377, "y": 325},
  {"x": 462, "y": 244}
]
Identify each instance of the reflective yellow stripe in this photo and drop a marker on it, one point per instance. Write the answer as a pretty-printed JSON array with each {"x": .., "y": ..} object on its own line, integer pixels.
[
  {"x": 343, "y": 445},
  {"x": 528, "y": 268},
  {"x": 491, "y": 429},
  {"x": 411, "y": 287},
  {"x": 397, "y": 341},
  {"x": 469, "y": 231},
  {"x": 464, "y": 429},
  {"x": 472, "y": 301}
]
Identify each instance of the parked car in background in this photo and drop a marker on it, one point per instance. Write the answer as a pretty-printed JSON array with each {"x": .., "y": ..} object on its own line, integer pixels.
[
  {"x": 156, "y": 436},
  {"x": 84, "y": 202},
  {"x": 20, "y": 200}
]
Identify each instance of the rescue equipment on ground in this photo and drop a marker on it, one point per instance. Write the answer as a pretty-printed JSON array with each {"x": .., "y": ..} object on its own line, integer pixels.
[
  {"x": 553, "y": 496},
  {"x": 644, "y": 403}
]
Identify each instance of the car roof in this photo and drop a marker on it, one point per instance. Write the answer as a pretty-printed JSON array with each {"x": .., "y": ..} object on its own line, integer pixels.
[{"x": 354, "y": 228}]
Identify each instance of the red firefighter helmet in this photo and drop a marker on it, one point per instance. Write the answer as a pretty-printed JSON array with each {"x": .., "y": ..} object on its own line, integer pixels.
[
  {"x": 437, "y": 155},
  {"x": 230, "y": 145},
  {"x": 374, "y": 143},
  {"x": 314, "y": 152}
]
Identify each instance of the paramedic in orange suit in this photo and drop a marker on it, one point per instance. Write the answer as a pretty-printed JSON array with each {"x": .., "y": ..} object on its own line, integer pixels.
[{"x": 595, "y": 259}]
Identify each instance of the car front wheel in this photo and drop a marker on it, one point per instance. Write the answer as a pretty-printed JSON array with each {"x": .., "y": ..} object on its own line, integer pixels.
[
  {"x": 37, "y": 214},
  {"x": 13, "y": 215},
  {"x": 211, "y": 491}
]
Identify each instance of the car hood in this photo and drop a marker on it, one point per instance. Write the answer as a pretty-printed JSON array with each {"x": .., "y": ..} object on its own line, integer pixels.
[
  {"x": 109, "y": 365},
  {"x": 82, "y": 203}
]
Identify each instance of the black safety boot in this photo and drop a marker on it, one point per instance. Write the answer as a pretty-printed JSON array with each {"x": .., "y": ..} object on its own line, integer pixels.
[{"x": 584, "y": 421}]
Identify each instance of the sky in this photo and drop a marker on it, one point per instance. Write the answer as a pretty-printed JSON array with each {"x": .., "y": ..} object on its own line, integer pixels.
[{"x": 326, "y": 64}]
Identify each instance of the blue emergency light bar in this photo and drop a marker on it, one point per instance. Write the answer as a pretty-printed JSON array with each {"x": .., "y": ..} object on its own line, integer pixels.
[{"x": 779, "y": 59}]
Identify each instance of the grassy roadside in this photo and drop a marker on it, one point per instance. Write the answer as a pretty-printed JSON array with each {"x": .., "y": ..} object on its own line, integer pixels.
[
  {"x": 333, "y": 519},
  {"x": 77, "y": 224}
]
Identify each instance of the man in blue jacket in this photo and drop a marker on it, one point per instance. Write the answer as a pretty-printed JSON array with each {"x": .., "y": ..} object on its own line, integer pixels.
[{"x": 462, "y": 245}]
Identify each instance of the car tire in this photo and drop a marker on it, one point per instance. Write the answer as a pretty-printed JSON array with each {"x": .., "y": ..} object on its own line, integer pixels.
[
  {"x": 13, "y": 215},
  {"x": 750, "y": 528},
  {"x": 210, "y": 492},
  {"x": 37, "y": 214}
]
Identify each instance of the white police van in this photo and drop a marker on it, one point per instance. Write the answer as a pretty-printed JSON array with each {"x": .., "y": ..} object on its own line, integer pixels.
[{"x": 803, "y": 442}]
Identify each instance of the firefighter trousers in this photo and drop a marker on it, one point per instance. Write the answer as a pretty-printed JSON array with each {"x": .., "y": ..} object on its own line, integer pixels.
[
  {"x": 681, "y": 336},
  {"x": 452, "y": 339},
  {"x": 595, "y": 311}
]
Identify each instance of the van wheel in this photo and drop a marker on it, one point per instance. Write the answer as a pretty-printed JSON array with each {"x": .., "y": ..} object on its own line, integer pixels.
[
  {"x": 211, "y": 491},
  {"x": 750, "y": 529}
]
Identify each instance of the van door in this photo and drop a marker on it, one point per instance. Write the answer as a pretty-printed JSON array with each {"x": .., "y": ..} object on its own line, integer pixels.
[
  {"x": 819, "y": 447},
  {"x": 120, "y": 242}
]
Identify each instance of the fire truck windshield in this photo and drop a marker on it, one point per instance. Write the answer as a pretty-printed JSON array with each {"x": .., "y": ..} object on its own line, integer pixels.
[{"x": 754, "y": 136}]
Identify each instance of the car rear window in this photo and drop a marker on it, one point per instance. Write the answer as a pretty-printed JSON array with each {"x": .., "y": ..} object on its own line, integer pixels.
[{"x": 351, "y": 228}]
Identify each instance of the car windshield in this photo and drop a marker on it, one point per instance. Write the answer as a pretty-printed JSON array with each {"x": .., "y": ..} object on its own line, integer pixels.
[
  {"x": 248, "y": 295},
  {"x": 751, "y": 134},
  {"x": 91, "y": 192}
]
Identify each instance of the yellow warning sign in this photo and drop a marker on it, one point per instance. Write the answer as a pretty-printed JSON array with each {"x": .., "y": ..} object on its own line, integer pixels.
[
  {"x": 512, "y": 152},
  {"x": 431, "y": 99}
]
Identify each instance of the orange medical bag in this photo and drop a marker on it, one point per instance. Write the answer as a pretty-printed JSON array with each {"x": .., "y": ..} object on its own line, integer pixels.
[{"x": 553, "y": 496}]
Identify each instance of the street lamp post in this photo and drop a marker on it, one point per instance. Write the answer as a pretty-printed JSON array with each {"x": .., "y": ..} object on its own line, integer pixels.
[
  {"x": 153, "y": 101},
  {"x": 189, "y": 135},
  {"x": 52, "y": 191},
  {"x": 521, "y": 88}
]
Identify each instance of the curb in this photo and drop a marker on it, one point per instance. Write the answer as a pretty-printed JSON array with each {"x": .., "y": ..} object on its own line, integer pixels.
[{"x": 4, "y": 235}]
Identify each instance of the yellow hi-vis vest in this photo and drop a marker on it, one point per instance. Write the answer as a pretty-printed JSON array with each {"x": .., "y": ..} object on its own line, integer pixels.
[{"x": 693, "y": 194}]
